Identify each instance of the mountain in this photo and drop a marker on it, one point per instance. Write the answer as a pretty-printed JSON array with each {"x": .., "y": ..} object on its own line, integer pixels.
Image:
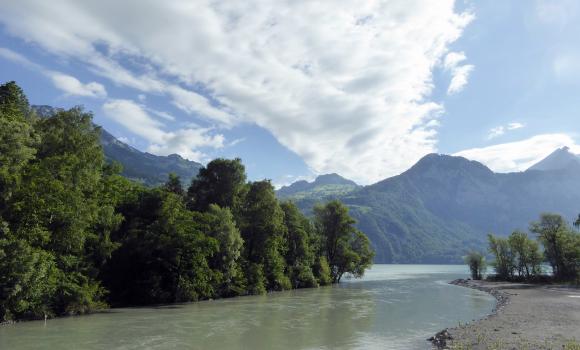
[
  {"x": 560, "y": 159},
  {"x": 444, "y": 206},
  {"x": 323, "y": 185},
  {"x": 144, "y": 167}
]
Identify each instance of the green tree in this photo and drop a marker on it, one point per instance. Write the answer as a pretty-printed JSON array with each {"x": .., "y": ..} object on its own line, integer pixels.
[
  {"x": 173, "y": 185},
  {"x": 560, "y": 245},
  {"x": 27, "y": 280},
  {"x": 504, "y": 258},
  {"x": 227, "y": 260},
  {"x": 477, "y": 264},
  {"x": 221, "y": 182},
  {"x": 300, "y": 253},
  {"x": 57, "y": 206},
  {"x": 321, "y": 271},
  {"x": 526, "y": 254},
  {"x": 164, "y": 255},
  {"x": 17, "y": 139},
  {"x": 346, "y": 249},
  {"x": 263, "y": 231}
]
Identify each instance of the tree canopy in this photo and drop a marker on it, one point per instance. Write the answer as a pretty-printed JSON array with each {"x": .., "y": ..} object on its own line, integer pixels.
[
  {"x": 518, "y": 257},
  {"x": 76, "y": 236}
]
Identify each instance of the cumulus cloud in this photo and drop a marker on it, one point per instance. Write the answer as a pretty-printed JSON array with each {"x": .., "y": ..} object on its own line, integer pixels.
[
  {"x": 520, "y": 155},
  {"x": 459, "y": 73},
  {"x": 347, "y": 89},
  {"x": 73, "y": 87},
  {"x": 502, "y": 129},
  {"x": 185, "y": 142},
  {"x": 70, "y": 85}
]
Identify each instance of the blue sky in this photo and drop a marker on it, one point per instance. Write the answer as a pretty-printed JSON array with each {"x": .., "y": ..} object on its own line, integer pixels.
[{"x": 297, "y": 89}]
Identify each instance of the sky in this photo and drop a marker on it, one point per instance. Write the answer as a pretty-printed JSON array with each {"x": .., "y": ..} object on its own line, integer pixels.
[{"x": 302, "y": 88}]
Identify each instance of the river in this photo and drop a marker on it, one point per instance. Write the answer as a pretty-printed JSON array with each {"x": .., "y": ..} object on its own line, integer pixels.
[{"x": 392, "y": 307}]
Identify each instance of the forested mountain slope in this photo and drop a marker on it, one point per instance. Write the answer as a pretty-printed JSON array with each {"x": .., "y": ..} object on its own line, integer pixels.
[
  {"x": 143, "y": 167},
  {"x": 444, "y": 206}
]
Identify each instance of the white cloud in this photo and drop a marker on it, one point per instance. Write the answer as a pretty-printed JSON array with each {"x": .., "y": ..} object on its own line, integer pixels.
[
  {"x": 18, "y": 58},
  {"x": 66, "y": 83},
  {"x": 515, "y": 125},
  {"x": 495, "y": 132},
  {"x": 126, "y": 140},
  {"x": 500, "y": 130},
  {"x": 73, "y": 87},
  {"x": 185, "y": 142},
  {"x": 459, "y": 73},
  {"x": 520, "y": 155},
  {"x": 134, "y": 118},
  {"x": 345, "y": 85}
]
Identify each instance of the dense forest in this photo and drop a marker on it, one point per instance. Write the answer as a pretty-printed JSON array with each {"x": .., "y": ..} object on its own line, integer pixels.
[
  {"x": 518, "y": 257},
  {"x": 76, "y": 236}
]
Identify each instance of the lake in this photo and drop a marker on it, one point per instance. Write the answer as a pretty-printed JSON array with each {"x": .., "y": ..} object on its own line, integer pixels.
[{"x": 392, "y": 307}]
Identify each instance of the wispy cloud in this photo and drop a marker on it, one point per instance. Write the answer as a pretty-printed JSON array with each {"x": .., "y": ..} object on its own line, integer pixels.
[
  {"x": 520, "y": 155},
  {"x": 186, "y": 142},
  {"x": 459, "y": 72},
  {"x": 70, "y": 85},
  {"x": 348, "y": 90},
  {"x": 502, "y": 129}
]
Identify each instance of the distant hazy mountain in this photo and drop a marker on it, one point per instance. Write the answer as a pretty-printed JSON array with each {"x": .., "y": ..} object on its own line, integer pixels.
[
  {"x": 560, "y": 159},
  {"x": 323, "y": 185},
  {"x": 139, "y": 166},
  {"x": 443, "y": 206}
]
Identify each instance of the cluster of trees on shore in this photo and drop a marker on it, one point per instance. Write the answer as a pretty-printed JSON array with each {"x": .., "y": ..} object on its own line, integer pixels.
[
  {"x": 518, "y": 257},
  {"x": 76, "y": 236}
]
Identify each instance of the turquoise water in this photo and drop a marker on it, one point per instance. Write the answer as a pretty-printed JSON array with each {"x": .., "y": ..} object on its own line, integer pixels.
[{"x": 392, "y": 307}]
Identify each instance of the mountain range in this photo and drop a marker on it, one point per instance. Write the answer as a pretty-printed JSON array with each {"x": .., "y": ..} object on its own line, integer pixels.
[
  {"x": 444, "y": 206},
  {"x": 143, "y": 167},
  {"x": 435, "y": 212}
]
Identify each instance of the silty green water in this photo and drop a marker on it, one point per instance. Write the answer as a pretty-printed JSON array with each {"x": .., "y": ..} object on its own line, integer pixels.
[{"x": 392, "y": 307}]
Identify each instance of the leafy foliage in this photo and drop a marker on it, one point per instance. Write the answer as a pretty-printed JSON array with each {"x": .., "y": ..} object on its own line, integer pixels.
[
  {"x": 519, "y": 257},
  {"x": 76, "y": 236},
  {"x": 561, "y": 245},
  {"x": 145, "y": 168},
  {"x": 345, "y": 247},
  {"x": 477, "y": 264},
  {"x": 221, "y": 182}
]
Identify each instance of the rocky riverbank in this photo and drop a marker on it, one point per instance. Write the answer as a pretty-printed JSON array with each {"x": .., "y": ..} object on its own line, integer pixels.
[{"x": 526, "y": 316}]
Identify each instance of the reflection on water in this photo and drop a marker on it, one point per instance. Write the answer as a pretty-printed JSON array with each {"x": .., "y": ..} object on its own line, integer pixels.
[{"x": 393, "y": 307}]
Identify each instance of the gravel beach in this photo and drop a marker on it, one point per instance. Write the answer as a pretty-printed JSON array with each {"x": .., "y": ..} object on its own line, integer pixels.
[{"x": 527, "y": 316}]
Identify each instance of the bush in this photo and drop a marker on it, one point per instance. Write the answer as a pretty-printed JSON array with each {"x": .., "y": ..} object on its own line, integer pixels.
[
  {"x": 322, "y": 271},
  {"x": 256, "y": 279},
  {"x": 477, "y": 265}
]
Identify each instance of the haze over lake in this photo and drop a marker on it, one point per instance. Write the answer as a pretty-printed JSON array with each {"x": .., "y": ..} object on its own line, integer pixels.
[{"x": 392, "y": 307}]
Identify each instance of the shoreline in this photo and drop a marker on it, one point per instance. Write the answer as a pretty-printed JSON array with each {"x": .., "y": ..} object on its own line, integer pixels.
[
  {"x": 440, "y": 339},
  {"x": 528, "y": 316},
  {"x": 162, "y": 305}
]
